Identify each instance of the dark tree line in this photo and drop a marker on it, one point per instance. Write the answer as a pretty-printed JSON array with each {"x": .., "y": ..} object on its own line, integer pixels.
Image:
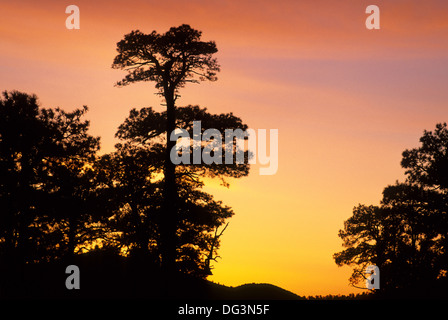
[
  {"x": 60, "y": 198},
  {"x": 406, "y": 236},
  {"x": 46, "y": 184}
]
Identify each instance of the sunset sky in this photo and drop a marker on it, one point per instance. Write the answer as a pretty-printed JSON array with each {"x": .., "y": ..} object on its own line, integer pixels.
[{"x": 346, "y": 102}]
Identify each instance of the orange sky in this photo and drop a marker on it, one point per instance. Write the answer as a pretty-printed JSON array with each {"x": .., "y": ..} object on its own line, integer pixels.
[{"x": 346, "y": 101}]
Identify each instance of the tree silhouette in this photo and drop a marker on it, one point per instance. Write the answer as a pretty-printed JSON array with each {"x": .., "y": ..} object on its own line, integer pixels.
[
  {"x": 170, "y": 60},
  {"x": 361, "y": 236},
  {"x": 45, "y": 186},
  {"x": 406, "y": 235},
  {"x": 137, "y": 166},
  {"x": 427, "y": 167}
]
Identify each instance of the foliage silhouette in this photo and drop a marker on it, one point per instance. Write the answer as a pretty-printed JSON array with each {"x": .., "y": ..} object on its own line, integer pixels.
[
  {"x": 406, "y": 235},
  {"x": 136, "y": 171},
  {"x": 44, "y": 155}
]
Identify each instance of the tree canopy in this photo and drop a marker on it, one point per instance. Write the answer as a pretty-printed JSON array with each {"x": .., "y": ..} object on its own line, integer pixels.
[{"x": 170, "y": 60}]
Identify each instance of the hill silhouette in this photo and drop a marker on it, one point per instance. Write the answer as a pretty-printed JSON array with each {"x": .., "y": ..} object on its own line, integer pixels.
[{"x": 262, "y": 291}]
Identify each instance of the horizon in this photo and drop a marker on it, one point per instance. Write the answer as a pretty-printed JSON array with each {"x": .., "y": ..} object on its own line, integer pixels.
[{"x": 346, "y": 101}]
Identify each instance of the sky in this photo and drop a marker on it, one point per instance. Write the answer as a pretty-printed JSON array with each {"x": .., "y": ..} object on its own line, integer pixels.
[{"x": 347, "y": 101}]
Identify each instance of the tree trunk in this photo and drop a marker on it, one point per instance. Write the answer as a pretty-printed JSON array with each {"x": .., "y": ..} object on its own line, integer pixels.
[{"x": 169, "y": 219}]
